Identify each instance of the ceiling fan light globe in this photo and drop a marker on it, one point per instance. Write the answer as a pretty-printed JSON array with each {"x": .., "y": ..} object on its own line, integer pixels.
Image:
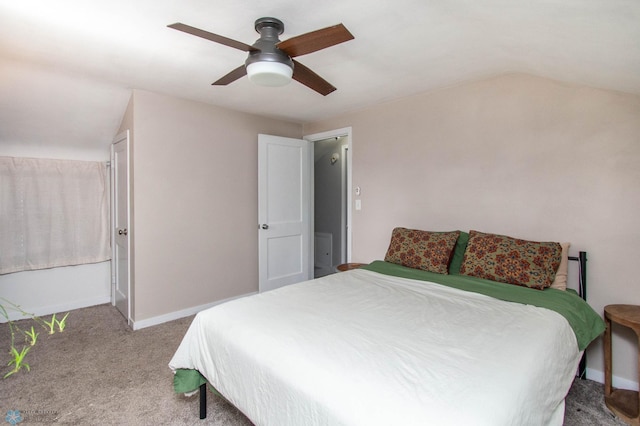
[{"x": 269, "y": 73}]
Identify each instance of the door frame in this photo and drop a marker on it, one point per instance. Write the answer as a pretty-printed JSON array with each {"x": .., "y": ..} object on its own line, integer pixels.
[{"x": 313, "y": 138}]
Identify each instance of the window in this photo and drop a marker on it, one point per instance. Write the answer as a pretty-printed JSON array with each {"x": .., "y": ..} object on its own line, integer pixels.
[{"x": 52, "y": 213}]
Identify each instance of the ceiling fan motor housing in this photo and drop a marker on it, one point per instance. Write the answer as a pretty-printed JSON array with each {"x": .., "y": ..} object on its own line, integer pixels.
[{"x": 269, "y": 30}]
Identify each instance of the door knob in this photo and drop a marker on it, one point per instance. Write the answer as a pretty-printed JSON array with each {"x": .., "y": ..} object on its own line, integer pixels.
[
  {"x": 265, "y": 226},
  {"x": 122, "y": 231}
]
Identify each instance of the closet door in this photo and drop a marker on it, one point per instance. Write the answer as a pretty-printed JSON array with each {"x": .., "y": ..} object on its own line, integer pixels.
[{"x": 121, "y": 233}]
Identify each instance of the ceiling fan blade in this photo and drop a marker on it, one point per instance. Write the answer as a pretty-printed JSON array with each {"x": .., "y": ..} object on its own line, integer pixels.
[
  {"x": 239, "y": 72},
  {"x": 310, "y": 79},
  {"x": 211, "y": 36},
  {"x": 315, "y": 40}
]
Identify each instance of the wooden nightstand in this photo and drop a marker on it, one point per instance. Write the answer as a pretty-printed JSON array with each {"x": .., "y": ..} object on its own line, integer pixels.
[
  {"x": 349, "y": 266},
  {"x": 623, "y": 403}
]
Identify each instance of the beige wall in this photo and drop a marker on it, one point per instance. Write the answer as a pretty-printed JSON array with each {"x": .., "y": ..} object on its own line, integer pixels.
[
  {"x": 518, "y": 155},
  {"x": 195, "y": 202}
]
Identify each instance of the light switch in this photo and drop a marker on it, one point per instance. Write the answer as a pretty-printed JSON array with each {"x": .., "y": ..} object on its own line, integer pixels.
[{"x": 358, "y": 204}]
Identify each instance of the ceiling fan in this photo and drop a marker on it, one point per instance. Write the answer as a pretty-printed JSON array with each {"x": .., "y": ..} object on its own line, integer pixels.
[{"x": 270, "y": 61}]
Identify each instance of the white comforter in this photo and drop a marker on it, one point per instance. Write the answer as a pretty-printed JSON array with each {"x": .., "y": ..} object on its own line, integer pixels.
[{"x": 362, "y": 348}]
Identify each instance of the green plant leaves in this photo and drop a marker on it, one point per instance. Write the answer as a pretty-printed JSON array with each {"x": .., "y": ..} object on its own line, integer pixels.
[
  {"x": 18, "y": 360},
  {"x": 30, "y": 336}
]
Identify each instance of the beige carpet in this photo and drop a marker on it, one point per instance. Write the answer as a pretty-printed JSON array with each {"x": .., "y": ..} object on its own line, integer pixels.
[{"x": 99, "y": 372}]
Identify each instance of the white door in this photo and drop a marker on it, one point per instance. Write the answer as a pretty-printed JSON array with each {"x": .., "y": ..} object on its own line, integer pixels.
[
  {"x": 284, "y": 211},
  {"x": 120, "y": 230}
]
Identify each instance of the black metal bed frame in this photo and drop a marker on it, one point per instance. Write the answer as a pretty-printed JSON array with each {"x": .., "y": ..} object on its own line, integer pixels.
[{"x": 582, "y": 292}]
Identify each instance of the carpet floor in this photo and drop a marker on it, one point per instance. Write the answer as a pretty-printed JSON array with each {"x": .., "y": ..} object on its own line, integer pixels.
[{"x": 100, "y": 372}]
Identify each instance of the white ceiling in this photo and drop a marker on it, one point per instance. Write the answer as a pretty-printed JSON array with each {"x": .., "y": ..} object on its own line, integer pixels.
[{"x": 67, "y": 66}]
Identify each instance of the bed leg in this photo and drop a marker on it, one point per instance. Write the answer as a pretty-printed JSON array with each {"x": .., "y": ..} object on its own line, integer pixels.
[
  {"x": 203, "y": 401},
  {"x": 582, "y": 369}
]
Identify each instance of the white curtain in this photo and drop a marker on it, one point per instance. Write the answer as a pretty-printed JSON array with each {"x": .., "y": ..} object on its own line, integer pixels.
[{"x": 52, "y": 213}]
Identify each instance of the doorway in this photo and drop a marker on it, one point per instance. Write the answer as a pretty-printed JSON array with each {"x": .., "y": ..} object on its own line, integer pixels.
[{"x": 331, "y": 200}]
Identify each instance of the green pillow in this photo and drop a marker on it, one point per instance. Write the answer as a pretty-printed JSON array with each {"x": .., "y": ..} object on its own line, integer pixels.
[{"x": 458, "y": 253}]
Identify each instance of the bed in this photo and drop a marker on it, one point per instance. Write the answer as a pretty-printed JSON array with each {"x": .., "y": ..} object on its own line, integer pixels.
[{"x": 400, "y": 341}]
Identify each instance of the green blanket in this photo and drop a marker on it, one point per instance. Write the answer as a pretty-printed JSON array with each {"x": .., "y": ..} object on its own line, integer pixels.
[
  {"x": 585, "y": 322},
  {"x": 185, "y": 381}
]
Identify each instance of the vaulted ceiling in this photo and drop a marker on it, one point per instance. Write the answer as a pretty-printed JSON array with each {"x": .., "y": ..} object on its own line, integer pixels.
[{"x": 67, "y": 67}]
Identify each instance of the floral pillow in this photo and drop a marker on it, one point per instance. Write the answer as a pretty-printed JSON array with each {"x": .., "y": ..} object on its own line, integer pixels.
[
  {"x": 429, "y": 251},
  {"x": 510, "y": 260}
]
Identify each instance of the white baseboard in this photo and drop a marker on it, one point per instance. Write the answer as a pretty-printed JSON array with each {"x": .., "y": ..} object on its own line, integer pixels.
[
  {"x": 137, "y": 325},
  {"x": 617, "y": 382},
  {"x": 59, "y": 308}
]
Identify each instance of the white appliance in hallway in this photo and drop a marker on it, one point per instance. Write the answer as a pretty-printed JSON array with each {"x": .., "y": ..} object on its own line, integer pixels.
[{"x": 323, "y": 254}]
